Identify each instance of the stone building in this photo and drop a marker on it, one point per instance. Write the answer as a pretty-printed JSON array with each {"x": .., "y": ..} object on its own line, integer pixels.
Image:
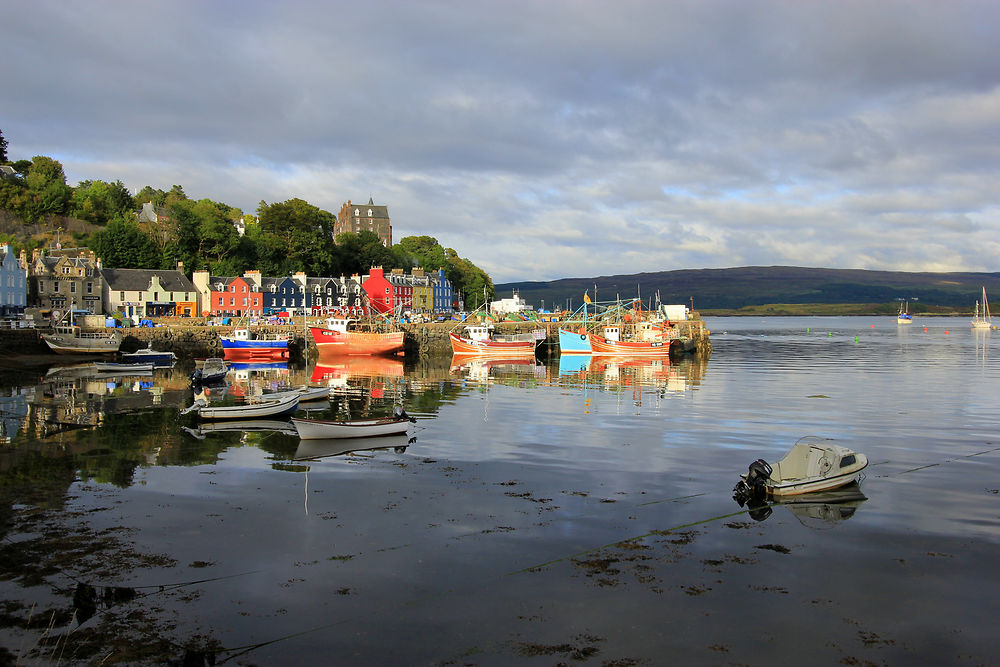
[
  {"x": 66, "y": 279},
  {"x": 371, "y": 217}
]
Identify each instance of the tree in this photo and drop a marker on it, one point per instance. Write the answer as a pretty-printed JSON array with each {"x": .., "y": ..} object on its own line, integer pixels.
[
  {"x": 3, "y": 148},
  {"x": 359, "y": 252},
  {"x": 123, "y": 245},
  {"x": 304, "y": 231},
  {"x": 98, "y": 202},
  {"x": 47, "y": 191}
]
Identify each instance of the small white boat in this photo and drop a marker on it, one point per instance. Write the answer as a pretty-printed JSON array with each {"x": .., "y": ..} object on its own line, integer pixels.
[
  {"x": 305, "y": 395},
  {"x": 276, "y": 408},
  {"x": 111, "y": 367},
  {"x": 324, "y": 429},
  {"x": 812, "y": 464}
]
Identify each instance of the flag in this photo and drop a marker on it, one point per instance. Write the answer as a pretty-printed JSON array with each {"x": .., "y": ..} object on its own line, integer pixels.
[{"x": 586, "y": 297}]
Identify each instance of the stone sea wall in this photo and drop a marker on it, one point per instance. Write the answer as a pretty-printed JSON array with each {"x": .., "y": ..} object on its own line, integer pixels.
[{"x": 189, "y": 340}]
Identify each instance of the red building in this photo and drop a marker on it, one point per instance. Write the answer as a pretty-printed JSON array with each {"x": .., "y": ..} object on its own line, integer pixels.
[
  {"x": 236, "y": 296},
  {"x": 379, "y": 290}
]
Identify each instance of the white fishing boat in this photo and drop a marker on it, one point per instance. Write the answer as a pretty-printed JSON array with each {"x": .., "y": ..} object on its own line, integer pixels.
[
  {"x": 71, "y": 339},
  {"x": 276, "y": 408},
  {"x": 323, "y": 429},
  {"x": 982, "y": 321},
  {"x": 812, "y": 464}
]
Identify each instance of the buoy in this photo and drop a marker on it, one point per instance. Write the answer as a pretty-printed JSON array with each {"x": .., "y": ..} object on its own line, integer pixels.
[
  {"x": 855, "y": 339},
  {"x": 873, "y": 326},
  {"x": 925, "y": 329},
  {"x": 830, "y": 335},
  {"x": 945, "y": 332}
]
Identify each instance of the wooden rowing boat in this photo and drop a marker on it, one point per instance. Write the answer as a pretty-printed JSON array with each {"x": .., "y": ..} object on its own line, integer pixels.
[{"x": 324, "y": 429}]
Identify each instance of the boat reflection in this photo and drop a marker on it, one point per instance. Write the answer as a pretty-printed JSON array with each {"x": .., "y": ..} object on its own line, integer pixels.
[
  {"x": 821, "y": 510},
  {"x": 243, "y": 426},
  {"x": 481, "y": 368},
  {"x": 617, "y": 372},
  {"x": 317, "y": 449}
]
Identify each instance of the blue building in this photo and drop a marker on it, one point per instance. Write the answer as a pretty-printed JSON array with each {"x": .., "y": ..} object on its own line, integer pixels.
[
  {"x": 444, "y": 297},
  {"x": 13, "y": 284}
]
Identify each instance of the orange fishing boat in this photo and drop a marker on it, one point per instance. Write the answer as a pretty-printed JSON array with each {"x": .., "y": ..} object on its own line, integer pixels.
[
  {"x": 343, "y": 336},
  {"x": 481, "y": 342}
]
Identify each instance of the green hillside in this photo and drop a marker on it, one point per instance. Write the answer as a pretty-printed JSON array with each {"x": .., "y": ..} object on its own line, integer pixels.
[{"x": 736, "y": 288}]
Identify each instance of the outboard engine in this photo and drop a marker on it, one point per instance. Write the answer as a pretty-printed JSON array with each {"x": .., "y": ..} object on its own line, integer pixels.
[
  {"x": 754, "y": 486},
  {"x": 399, "y": 413},
  {"x": 196, "y": 376}
]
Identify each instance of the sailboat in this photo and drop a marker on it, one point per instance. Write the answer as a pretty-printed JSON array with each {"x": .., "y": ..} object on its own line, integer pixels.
[
  {"x": 982, "y": 322},
  {"x": 904, "y": 316}
]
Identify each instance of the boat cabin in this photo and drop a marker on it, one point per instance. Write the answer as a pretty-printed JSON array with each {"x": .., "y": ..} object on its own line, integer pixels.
[
  {"x": 339, "y": 324},
  {"x": 480, "y": 332}
]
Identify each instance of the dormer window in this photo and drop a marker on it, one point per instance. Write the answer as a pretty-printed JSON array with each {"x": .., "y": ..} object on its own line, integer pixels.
[
  {"x": 357, "y": 212},
  {"x": 369, "y": 213}
]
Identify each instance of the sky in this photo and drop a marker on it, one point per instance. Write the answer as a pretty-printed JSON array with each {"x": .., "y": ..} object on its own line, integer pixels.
[{"x": 544, "y": 139}]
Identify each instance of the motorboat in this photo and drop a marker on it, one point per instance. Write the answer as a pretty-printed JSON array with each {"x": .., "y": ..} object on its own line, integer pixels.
[
  {"x": 324, "y": 429},
  {"x": 213, "y": 371},
  {"x": 149, "y": 355},
  {"x": 819, "y": 509},
  {"x": 812, "y": 464}
]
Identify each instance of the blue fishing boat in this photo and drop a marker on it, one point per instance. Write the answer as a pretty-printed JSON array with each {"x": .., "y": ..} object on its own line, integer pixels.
[{"x": 245, "y": 345}]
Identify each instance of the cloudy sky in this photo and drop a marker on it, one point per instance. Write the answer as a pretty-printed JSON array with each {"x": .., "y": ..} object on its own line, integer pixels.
[{"x": 544, "y": 139}]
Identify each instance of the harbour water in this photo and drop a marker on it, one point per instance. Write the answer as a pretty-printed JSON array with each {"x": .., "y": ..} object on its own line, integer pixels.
[{"x": 578, "y": 512}]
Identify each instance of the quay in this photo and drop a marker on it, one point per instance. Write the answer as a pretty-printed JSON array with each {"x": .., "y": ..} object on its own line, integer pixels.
[{"x": 192, "y": 338}]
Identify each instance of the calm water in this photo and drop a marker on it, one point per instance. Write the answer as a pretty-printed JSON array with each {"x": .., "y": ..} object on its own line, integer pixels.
[{"x": 578, "y": 512}]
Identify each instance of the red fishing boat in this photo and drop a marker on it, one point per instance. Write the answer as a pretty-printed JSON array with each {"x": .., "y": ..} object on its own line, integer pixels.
[
  {"x": 345, "y": 336},
  {"x": 481, "y": 342}
]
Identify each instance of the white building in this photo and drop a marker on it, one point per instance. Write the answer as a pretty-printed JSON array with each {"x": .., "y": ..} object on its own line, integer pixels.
[{"x": 515, "y": 304}]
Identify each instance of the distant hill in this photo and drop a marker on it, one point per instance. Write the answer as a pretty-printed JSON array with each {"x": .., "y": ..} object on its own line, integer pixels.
[{"x": 758, "y": 285}]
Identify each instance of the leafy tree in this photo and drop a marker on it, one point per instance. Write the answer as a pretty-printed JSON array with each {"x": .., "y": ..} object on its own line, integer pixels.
[
  {"x": 47, "y": 191},
  {"x": 303, "y": 229},
  {"x": 97, "y": 201},
  {"x": 3, "y": 148},
  {"x": 151, "y": 194},
  {"x": 359, "y": 252},
  {"x": 123, "y": 245}
]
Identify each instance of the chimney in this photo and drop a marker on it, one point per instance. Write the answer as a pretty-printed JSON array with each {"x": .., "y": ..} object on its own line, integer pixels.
[{"x": 180, "y": 266}]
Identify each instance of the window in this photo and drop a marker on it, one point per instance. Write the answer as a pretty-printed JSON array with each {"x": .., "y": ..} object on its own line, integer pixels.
[
  {"x": 244, "y": 302},
  {"x": 41, "y": 285},
  {"x": 369, "y": 213},
  {"x": 232, "y": 301},
  {"x": 90, "y": 288},
  {"x": 55, "y": 286},
  {"x": 244, "y": 288},
  {"x": 121, "y": 296}
]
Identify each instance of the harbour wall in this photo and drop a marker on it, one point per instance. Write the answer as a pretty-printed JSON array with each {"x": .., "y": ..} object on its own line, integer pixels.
[{"x": 190, "y": 340}]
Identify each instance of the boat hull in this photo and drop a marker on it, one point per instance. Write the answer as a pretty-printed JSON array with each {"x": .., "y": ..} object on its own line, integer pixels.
[
  {"x": 319, "y": 429},
  {"x": 573, "y": 342},
  {"x": 781, "y": 490},
  {"x": 601, "y": 345},
  {"x": 253, "y": 349},
  {"x": 356, "y": 343},
  {"x": 103, "y": 367},
  {"x": 64, "y": 344},
  {"x": 278, "y": 408},
  {"x": 482, "y": 348}
]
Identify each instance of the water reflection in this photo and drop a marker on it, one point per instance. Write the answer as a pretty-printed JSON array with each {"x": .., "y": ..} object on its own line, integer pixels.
[
  {"x": 819, "y": 511},
  {"x": 318, "y": 449}
]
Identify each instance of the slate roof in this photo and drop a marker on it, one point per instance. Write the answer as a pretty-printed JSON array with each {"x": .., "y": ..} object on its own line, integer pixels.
[{"x": 138, "y": 280}]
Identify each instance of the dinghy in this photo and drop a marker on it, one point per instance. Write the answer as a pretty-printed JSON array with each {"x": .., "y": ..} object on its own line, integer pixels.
[
  {"x": 278, "y": 408},
  {"x": 812, "y": 464},
  {"x": 324, "y": 429}
]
